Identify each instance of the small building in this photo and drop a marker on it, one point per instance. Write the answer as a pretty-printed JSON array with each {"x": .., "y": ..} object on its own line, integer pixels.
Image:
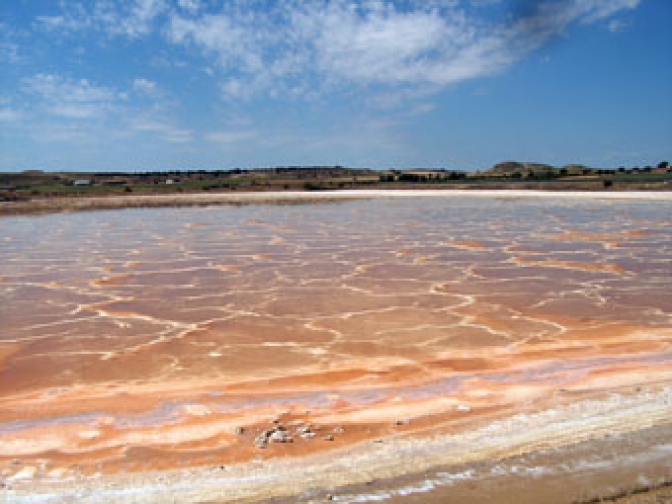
[{"x": 82, "y": 182}]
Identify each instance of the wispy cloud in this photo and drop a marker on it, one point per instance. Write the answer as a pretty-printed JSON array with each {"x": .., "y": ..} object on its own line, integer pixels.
[
  {"x": 616, "y": 25},
  {"x": 132, "y": 19},
  {"x": 165, "y": 130},
  {"x": 146, "y": 87},
  {"x": 85, "y": 110},
  {"x": 230, "y": 137},
  {"x": 297, "y": 48},
  {"x": 77, "y": 99},
  {"x": 8, "y": 115},
  {"x": 338, "y": 44}
]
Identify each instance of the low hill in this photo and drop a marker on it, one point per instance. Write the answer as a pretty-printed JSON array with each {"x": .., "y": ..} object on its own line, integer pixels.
[{"x": 511, "y": 167}]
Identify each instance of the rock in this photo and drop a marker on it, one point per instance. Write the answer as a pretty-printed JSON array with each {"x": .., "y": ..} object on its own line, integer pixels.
[
  {"x": 338, "y": 430},
  {"x": 240, "y": 430},
  {"x": 261, "y": 441},
  {"x": 306, "y": 433},
  {"x": 328, "y": 437},
  {"x": 401, "y": 422},
  {"x": 463, "y": 408},
  {"x": 280, "y": 436}
]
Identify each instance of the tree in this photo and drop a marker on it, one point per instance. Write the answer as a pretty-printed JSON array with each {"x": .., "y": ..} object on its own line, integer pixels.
[{"x": 663, "y": 164}]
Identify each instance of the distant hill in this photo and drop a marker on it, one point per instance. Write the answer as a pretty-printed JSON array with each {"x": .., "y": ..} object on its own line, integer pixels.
[{"x": 511, "y": 167}]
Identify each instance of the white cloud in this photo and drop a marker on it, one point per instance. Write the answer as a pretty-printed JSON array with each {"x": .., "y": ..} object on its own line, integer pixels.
[
  {"x": 230, "y": 137},
  {"x": 297, "y": 48},
  {"x": 163, "y": 129},
  {"x": 9, "y": 48},
  {"x": 132, "y": 19},
  {"x": 339, "y": 44},
  {"x": 231, "y": 40},
  {"x": 9, "y": 115},
  {"x": 616, "y": 25},
  {"x": 74, "y": 99},
  {"x": 596, "y": 10},
  {"x": 191, "y": 6},
  {"x": 383, "y": 46},
  {"x": 146, "y": 87}
]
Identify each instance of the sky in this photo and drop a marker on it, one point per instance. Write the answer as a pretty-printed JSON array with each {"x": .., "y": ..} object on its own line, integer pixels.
[{"x": 218, "y": 84}]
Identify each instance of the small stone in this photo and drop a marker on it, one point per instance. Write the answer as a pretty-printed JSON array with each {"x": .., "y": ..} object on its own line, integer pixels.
[
  {"x": 338, "y": 430},
  {"x": 463, "y": 408},
  {"x": 240, "y": 430},
  {"x": 306, "y": 433},
  {"x": 280, "y": 436},
  {"x": 330, "y": 497},
  {"x": 401, "y": 422},
  {"x": 260, "y": 441},
  {"x": 328, "y": 437}
]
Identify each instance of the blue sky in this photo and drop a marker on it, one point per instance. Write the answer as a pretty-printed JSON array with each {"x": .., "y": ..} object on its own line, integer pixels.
[{"x": 216, "y": 84}]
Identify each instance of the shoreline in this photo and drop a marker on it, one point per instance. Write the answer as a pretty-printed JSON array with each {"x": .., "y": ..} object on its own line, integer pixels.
[
  {"x": 75, "y": 204},
  {"x": 330, "y": 471}
]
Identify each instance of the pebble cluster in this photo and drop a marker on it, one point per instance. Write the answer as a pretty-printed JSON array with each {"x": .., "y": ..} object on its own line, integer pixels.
[{"x": 286, "y": 434}]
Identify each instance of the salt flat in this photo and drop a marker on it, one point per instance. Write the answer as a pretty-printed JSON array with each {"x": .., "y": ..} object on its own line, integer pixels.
[{"x": 145, "y": 352}]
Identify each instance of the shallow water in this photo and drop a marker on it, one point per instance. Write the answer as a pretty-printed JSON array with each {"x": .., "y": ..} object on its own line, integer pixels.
[{"x": 136, "y": 339}]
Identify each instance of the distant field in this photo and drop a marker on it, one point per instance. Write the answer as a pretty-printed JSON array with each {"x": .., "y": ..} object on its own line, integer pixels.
[{"x": 36, "y": 185}]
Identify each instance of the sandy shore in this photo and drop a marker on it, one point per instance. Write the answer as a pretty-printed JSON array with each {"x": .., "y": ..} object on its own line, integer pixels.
[{"x": 47, "y": 205}]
